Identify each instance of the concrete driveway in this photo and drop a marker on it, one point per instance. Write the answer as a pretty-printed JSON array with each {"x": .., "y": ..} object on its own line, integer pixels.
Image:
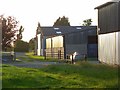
[
  {"x": 19, "y": 54},
  {"x": 33, "y": 64},
  {"x": 36, "y": 64}
]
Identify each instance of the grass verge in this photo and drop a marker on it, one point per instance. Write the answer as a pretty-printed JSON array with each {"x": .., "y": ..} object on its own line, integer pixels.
[
  {"x": 30, "y": 57},
  {"x": 82, "y": 75}
]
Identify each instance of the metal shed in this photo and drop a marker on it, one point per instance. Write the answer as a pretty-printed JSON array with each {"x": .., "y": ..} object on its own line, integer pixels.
[
  {"x": 67, "y": 40},
  {"x": 109, "y": 32},
  {"x": 83, "y": 42}
]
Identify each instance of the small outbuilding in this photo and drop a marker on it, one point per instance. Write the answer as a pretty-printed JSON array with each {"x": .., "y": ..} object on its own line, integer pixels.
[{"x": 109, "y": 32}]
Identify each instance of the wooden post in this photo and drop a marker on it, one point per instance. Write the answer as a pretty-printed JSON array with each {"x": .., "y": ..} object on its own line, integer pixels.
[
  {"x": 72, "y": 59},
  {"x": 60, "y": 53},
  {"x": 51, "y": 48},
  {"x": 44, "y": 54},
  {"x": 14, "y": 56},
  {"x": 85, "y": 56}
]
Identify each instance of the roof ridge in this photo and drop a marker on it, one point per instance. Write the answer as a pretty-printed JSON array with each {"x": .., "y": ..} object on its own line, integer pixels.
[{"x": 107, "y": 3}]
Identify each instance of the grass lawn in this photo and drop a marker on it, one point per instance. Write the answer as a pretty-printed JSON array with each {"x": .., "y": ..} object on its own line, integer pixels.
[
  {"x": 81, "y": 75},
  {"x": 30, "y": 57}
]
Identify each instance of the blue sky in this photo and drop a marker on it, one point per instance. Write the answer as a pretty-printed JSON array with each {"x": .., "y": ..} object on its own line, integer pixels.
[{"x": 30, "y": 12}]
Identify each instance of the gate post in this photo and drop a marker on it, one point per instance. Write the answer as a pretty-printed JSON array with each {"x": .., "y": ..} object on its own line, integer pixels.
[
  {"x": 44, "y": 54},
  {"x": 59, "y": 54}
]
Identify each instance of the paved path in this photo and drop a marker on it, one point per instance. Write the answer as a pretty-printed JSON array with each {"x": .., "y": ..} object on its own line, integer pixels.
[
  {"x": 18, "y": 54},
  {"x": 36, "y": 64},
  {"x": 33, "y": 64}
]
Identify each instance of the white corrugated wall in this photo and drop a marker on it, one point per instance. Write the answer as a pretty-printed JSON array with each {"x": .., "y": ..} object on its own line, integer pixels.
[
  {"x": 118, "y": 47},
  {"x": 108, "y": 48},
  {"x": 39, "y": 44}
]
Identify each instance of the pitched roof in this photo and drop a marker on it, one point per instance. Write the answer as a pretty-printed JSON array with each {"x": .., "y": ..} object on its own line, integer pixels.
[
  {"x": 107, "y": 3},
  {"x": 62, "y": 30}
]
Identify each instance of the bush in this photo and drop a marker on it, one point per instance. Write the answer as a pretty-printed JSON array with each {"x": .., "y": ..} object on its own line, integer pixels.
[{"x": 21, "y": 46}]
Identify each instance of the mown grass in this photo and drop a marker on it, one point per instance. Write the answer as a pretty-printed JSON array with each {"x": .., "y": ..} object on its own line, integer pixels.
[
  {"x": 82, "y": 75},
  {"x": 30, "y": 57}
]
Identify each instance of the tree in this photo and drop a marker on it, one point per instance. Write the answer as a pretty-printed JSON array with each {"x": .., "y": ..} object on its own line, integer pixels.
[
  {"x": 32, "y": 44},
  {"x": 62, "y": 21},
  {"x": 87, "y": 22},
  {"x": 21, "y": 46},
  {"x": 19, "y": 36},
  {"x": 9, "y": 31}
]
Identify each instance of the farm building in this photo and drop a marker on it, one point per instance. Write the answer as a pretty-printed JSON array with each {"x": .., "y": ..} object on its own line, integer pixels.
[
  {"x": 65, "y": 40},
  {"x": 109, "y": 32}
]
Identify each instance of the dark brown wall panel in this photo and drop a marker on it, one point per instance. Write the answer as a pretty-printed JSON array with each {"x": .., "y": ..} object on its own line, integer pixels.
[
  {"x": 108, "y": 18},
  {"x": 119, "y": 17}
]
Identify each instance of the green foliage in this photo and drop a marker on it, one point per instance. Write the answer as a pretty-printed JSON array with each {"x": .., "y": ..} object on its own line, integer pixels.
[
  {"x": 30, "y": 57},
  {"x": 9, "y": 31},
  {"x": 19, "y": 36},
  {"x": 21, "y": 46},
  {"x": 83, "y": 75},
  {"x": 32, "y": 44},
  {"x": 62, "y": 21},
  {"x": 87, "y": 22}
]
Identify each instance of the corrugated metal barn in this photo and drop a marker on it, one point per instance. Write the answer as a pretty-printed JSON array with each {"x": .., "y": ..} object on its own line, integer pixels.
[
  {"x": 109, "y": 32},
  {"x": 65, "y": 40}
]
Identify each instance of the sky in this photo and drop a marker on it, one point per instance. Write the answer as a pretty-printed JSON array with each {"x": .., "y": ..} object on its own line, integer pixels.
[{"x": 30, "y": 12}]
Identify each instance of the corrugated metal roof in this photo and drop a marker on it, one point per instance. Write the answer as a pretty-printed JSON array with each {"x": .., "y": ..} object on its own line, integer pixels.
[
  {"x": 107, "y": 3},
  {"x": 62, "y": 30}
]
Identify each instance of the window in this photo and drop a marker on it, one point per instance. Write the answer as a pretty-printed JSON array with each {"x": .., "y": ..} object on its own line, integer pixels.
[
  {"x": 58, "y": 32},
  {"x": 78, "y": 28},
  {"x": 56, "y": 28}
]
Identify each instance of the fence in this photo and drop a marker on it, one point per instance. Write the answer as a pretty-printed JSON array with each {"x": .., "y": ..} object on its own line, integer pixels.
[{"x": 57, "y": 53}]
